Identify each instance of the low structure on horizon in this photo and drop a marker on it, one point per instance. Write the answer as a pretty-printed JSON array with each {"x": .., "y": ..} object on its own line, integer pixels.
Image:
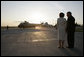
[{"x": 26, "y": 24}]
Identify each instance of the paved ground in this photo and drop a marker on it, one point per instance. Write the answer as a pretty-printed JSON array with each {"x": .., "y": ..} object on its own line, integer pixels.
[{"x": 37, "y": 42}]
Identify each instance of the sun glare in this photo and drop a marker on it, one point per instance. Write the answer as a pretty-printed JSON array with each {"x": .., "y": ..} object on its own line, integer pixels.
[{"x": 37, "y": 16}]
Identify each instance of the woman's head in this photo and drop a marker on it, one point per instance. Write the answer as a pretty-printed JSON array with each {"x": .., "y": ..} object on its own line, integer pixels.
[{"x": 61, "y": 14}]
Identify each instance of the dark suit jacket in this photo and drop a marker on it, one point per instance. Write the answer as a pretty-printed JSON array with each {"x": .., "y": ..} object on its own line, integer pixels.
[{"x": 70, "y": 24}]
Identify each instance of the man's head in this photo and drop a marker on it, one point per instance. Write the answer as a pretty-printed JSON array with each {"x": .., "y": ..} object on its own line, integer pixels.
[
  {"x": 61, "y": 14},
  {"x": 69, "y": 14}
]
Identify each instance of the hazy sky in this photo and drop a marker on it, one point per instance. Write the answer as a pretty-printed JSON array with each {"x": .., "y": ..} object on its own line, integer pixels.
[{"x": 14, "y": 12}]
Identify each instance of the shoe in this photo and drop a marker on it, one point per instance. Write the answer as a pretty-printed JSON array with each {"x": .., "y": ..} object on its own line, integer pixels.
[
  {"x": 59, "y": 47},
  {"x": 69, "y": 47},
  {"x": 62, "y": 47}
]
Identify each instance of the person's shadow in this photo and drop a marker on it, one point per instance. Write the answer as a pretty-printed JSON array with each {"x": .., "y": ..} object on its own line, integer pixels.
[{"x": 71, "y": 51}]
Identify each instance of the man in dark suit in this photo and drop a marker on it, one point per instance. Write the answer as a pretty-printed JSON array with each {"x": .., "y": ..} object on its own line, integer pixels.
[{"x": 70, "y": 30}]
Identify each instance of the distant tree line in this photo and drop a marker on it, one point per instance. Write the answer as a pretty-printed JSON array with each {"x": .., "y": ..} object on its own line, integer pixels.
[{"x": 76, "y": 24}]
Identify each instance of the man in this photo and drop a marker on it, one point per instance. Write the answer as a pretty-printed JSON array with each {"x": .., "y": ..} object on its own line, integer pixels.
[
  {"x": 70, "y": 30},
  {"x": 7, "y": 27}
]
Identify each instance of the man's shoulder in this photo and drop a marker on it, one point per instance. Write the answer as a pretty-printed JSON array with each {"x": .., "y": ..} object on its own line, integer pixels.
[{"x": 72, "y": 17}]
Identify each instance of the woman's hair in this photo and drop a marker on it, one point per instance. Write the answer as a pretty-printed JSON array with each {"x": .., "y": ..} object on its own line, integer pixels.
[{"x": 61, "y": 14}]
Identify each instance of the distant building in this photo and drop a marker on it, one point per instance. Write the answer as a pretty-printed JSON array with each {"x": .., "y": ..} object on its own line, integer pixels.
[
  {"x": 26, "y": 24},
  {"x": 46, "y": 24}
]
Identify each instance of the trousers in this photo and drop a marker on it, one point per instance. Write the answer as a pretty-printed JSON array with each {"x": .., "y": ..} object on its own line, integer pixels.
[{"x": 70, "y": 39}]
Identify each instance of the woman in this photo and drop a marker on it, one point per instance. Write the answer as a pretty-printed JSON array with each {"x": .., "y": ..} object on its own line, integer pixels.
[{"x": 61, "y": 27}]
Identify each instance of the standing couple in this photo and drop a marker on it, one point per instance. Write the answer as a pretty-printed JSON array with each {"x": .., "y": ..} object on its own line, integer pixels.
[{"x": 66, "y": 28}]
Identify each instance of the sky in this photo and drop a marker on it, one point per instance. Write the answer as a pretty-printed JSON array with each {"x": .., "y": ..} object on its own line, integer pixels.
[{"x": 15, "y": 12}]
